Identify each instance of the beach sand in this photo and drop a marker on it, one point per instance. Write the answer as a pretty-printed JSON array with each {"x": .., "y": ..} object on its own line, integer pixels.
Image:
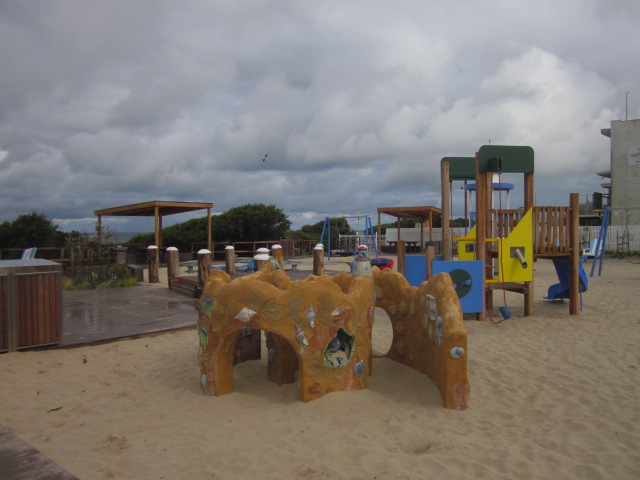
[{"x": 553, "y": 396}]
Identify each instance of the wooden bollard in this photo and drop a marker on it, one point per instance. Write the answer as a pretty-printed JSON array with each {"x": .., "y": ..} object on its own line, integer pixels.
[
  {"x": 276, "y": 252},
  {"x": 402, "y": 252},
  {"x": 431, "y": 255},
  {"x": 318, "y": 259},
  {"x": 260, "y": 258},
  {"x": 172, "y": 257},
  {"x": 154, "y": 264},
  {"x": 204, "y": 266},
  {"x": 230, "y": 260}
]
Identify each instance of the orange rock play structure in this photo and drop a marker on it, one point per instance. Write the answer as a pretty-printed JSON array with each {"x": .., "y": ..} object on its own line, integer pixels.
[{"x": 322, "y": 326}]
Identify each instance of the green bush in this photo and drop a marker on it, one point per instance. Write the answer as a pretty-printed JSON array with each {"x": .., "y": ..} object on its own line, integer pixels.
[{"x": 87, "y": 279}]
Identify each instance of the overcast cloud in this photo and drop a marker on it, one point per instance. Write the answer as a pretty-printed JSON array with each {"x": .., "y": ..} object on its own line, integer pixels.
[{"x": 107, "y": 103}]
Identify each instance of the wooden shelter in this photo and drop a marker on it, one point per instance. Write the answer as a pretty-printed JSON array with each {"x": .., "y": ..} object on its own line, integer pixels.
[
  {"x": 423, "y": 213},
  {"x": 156, "y": 209}
]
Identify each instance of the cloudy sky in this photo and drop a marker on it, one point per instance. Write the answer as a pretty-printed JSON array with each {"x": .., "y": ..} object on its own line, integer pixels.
[{"x": 108, "y": 103}]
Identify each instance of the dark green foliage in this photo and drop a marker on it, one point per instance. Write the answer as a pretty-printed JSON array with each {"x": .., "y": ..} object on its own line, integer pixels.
[
  {"x": 31, "y": 230},
  {"x": 251, "y": 222},
  {"x": 145, "y": 238}
]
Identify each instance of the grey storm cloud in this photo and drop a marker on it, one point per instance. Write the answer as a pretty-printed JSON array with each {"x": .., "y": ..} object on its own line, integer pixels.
[{"x": 110, "y": 103}]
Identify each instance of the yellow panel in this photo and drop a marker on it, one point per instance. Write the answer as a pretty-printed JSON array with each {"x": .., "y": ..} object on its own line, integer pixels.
[
  {"x": 510, "y": 269},
  {"x": 470, "y": 239}
]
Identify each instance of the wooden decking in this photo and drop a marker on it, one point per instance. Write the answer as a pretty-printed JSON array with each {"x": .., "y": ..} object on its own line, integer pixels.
[
  {"x": 107, "y": 314},
  {"x": 90, "y": 316},
  {"x": 20, "y": 461}
]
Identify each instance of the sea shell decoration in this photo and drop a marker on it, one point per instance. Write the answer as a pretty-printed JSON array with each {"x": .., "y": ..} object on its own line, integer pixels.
[
  {"x": 439, "y": 330},
  {"x": 358, "y": 368},
  {"x": 207, "y": 306},
  {"x": 301, "y": 337},
  {"x": 433, "y": 310},
  {"x": 456, "y": 353},
  {"x": 245, "y": 314},
  {"x": 204, "y": 338},
  {"x": 311, "y": 315}
]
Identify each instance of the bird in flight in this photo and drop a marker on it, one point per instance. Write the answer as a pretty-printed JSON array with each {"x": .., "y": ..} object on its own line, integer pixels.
[{"x": 265, "y": 157}]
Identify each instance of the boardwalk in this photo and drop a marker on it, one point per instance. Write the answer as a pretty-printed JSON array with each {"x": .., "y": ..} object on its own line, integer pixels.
[
  {"x": 91, "y": 316},
  {"x": 107, "y": 314}
]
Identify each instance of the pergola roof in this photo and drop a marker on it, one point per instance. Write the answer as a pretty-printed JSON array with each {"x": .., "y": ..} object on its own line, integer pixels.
[
  {"x": 148, "y": 209},
  {"x": 156, "y": 209},
  {"x": 402, "y": 212},
  {"x": 423, "y": 212}
]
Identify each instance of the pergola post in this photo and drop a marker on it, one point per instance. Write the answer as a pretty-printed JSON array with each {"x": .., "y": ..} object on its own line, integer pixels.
[
  {"x": 379, "y": 234},
  {"x": 446, "y": 210},
  {"x": 157, "y": 226},
  {"x": 209, "y": 245},
  {"x": 99, "y": 230}
]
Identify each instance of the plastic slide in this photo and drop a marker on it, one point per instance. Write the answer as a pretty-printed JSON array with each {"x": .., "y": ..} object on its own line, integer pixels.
[{"x": 559, "y": 291}]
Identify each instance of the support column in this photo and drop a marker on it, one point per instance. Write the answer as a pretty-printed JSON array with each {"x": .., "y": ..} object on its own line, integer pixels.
[
  {"x": 209, "y": 244},
  {"x": 446, "y": 210},
  {"x": 481, "y": 227},
  {"x": 574, "y": 253},
  {"x": 156, "y": 224},
  {"x": 99, "y": 230}
]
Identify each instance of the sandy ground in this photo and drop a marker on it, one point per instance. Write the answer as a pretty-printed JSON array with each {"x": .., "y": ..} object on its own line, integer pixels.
[{"x": 553, "y": 396}]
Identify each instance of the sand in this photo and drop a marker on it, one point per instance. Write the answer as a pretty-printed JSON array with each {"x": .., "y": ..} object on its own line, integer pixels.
[{"x": 553, "y": 396}]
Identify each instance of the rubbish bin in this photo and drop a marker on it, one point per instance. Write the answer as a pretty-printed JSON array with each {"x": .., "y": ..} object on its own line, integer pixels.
[{"x": 30, "y": 303}]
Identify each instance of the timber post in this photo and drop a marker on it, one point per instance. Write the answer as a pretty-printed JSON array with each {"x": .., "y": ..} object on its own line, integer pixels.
[
  {"x": 318, "y": 260},
  {"x": 154, "y": 264},
  {"x": 172, "y": 257},
  {"x": 261, "y": 257},
  {"x": 402, "y": 252},
  {"x": 278, "y": 255},
  {"x": 230, "y": 259},
  {"x": 204, "y": 266}
]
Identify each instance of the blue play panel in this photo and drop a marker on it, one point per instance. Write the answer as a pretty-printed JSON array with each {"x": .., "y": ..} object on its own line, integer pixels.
[
  {"x": 467, "y": 277},
  {"x": 415, "y": 268}
]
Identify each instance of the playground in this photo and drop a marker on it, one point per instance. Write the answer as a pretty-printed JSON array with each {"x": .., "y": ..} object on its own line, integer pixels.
[{"x": 553, "y": 396}]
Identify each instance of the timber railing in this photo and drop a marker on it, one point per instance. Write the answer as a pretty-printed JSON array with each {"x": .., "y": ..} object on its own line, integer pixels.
[{"x": 551, "y": 231}]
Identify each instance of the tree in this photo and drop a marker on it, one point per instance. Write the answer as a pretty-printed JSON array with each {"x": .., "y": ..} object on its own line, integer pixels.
[
  {"x": 250, "y": 222},
  {"x": 31, "y": 230}
]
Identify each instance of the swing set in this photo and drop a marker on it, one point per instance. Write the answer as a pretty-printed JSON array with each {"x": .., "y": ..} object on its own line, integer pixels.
[{"x": 368, "y": 231}]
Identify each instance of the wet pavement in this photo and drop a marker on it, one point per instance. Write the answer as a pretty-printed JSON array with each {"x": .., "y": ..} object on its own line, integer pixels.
[{"x": 90, "y": 316}]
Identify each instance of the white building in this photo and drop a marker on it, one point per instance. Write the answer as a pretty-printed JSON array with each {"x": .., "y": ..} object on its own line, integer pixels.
[{"x": 624, "y": 186}]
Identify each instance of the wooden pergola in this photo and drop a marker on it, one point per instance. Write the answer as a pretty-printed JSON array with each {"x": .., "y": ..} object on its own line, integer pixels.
[
  {"x": 423, "y": 213},
  {"x": 156, "y": 209}
]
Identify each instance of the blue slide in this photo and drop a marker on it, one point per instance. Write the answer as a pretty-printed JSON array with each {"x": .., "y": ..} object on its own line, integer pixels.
[{"x": 560, "y": 290}]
